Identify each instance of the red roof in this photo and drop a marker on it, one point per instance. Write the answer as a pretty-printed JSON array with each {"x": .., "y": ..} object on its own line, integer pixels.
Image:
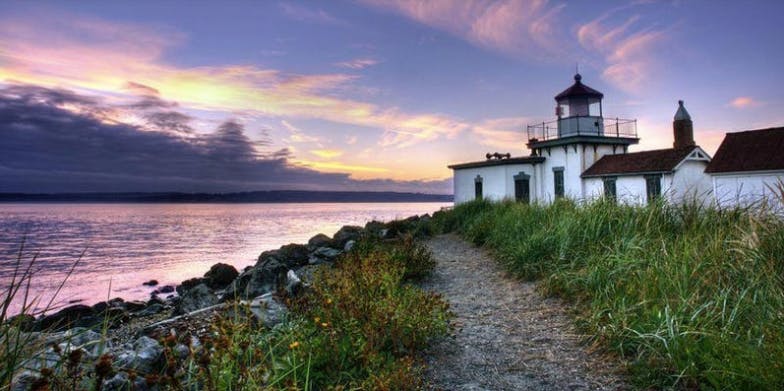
[
  {"x": 752, "y": 150},
  {"x": 656, "y": 161}
]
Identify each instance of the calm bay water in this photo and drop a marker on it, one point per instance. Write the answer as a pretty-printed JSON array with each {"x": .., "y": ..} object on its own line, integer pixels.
[{"x": 125, "y": 245}]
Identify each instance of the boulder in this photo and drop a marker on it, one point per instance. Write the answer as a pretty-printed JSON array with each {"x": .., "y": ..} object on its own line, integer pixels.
[
  {"x": 196, "y": 298},
  {"x": 320, "y": 240},
  {"x": 164, "y": 289},
  {"x": 293, "y": 283},
  {"x": 151, "y": 310},
  {"x": 346, "y": 233},
  {"x": 150, "y": 283},
  {"x": 374, "y": 227},
  {"x": 88, "y": 340},
  {"x": 323, "y": 254},
  {"x": 349, "y": 245},
  {"x": 135, "y": 305},
  {"x": 220, "y": 275},
  {"x": 269, "y": 311},
  {"x": 24, "y": 322},
  {"x": 68, "y": 317},
  {"x": 293, "y": 254},
  {"x": 146, "y": 356},
  {"x": 189, "y": 284},
  {"x": 265, "y": 279},
  {"x": 119, "y": 382}
]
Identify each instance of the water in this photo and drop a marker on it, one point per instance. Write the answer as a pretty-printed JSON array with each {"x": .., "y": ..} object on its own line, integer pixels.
[{"x": 124, "y": 245}]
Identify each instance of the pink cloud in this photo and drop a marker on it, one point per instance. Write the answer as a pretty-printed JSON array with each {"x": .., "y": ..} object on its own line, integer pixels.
[
  {"x": 743, "y": 102},
  {"x": 513, "y": 27},
  {"x": 357, "y": 63},
  {"x": 627, "y": 51}
]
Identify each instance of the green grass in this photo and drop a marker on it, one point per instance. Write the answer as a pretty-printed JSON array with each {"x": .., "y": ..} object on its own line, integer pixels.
[{"x": 689, "y": 296}]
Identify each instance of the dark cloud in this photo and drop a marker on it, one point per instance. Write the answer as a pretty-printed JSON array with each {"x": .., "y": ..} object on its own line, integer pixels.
[
  {"x": 47, "y": 147},
  {"x": 172, "y": 121}
]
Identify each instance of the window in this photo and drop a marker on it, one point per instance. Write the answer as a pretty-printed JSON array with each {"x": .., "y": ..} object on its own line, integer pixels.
[
  {"x": 653, "y": 187},
  {"x": 609, "y": 189},
  {"x": 522, "y": 186},
  {"x": 558, "y": 179},
  {"x": 478, "y": 187}
]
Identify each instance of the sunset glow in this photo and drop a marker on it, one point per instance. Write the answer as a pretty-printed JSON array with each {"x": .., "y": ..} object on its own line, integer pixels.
[{"x": 367, "y": 95}]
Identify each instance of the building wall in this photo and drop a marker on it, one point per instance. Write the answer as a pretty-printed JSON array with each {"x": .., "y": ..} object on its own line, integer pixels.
[
  {"x": 574, "y": 161},
  {"x": 748, "y": 188},
  {"x": 629, "y": 189},
  {"x": 497, "y": 182},
  {"x": 691, "y": 183}
]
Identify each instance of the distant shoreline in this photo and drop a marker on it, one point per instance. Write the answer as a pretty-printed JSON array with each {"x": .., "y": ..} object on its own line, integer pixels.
[{"x": 268, "y": 197}]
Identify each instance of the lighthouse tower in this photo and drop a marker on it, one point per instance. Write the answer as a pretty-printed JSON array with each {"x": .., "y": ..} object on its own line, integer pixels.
[{"x": 577, "y": 138}]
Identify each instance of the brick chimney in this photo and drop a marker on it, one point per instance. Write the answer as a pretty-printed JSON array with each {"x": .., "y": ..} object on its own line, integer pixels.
[{"x": 682, "y": 128}]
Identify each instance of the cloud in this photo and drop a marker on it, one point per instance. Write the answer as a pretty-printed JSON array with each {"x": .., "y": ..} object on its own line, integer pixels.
[
  {"x": 627, "y": 49},
  {"x": 357, "y": 63},
  {"x": 502, "y": 133},
  {"x": 297, "y": 135},
  {"x": 306, "y": 14},
  {"x": 327, "y": 153},
  {"x": 124, "y": 64},
  {"x": 524, "y": 28},
  {"x": 743, "y": 102},
  {"x": 47, "y": 147}
]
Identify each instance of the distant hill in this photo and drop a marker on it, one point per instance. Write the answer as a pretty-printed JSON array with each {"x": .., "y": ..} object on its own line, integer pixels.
[{"x": 274, "y": 196}]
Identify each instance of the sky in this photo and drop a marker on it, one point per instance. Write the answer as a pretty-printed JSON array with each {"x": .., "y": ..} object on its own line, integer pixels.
[{"x": 382, "y": 95}]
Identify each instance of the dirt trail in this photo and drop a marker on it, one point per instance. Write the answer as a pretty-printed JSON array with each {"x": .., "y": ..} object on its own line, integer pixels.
[{"x": 508, "y": 336}]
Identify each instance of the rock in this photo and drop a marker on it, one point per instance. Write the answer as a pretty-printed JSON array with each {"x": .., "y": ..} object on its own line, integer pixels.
[
  {"x": 181, "y": 351},
  {"x": 135, "y": 305},
  {"x": 150, "y": 283},
  {"x": 24, "y": 322},
  {"x": 119, "y": 382},
  {"x": 91, "y": 342},
  {"x": 196, "y": 298},
  {"x": 164, "y": 289},
  {"x": 189, "y": 284},
  {"x": 293, "y": 283},
  {"x": 75, "y": 315},
  {"x": 349, "y": 245},
  {"x": 293, "y": 254},
  {"x": 319, "y": 240},
  {"x": 327, "y": 254},
  {"x": 151, "y": 310},
  {"x": 145, "y": 357},
  {"x": 154, "y": 299},
  {"x": 265, "y": 279},
  {"x": 346, "y": 233},
  {"x": 268, "y": 310},
  {"x": 373, "y": 228},
  {"x": 220, "y": 275},
  {"x": 100, "y": 307},
  {"x": 116, "y": 302},
  {"x": 23, "y": 381}
]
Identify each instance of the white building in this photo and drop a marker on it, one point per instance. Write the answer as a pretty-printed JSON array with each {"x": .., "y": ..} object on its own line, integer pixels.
[
  {"x": 749, "y": 168},
  {"x": 583, "y": 155}
]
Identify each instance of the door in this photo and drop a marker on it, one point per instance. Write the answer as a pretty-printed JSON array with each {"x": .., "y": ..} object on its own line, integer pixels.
[{"x": 522, "y": 190}]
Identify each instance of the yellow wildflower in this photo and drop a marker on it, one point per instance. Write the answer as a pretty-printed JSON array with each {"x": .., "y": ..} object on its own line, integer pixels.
[{"x": 294, "y": 345}]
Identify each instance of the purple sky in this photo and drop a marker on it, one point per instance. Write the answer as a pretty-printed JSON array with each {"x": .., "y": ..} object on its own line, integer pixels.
[{"x": 357, "y": 95}]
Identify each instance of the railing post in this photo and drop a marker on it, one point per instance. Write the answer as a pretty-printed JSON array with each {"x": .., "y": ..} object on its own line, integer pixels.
[{"x": 617, "y": 129}]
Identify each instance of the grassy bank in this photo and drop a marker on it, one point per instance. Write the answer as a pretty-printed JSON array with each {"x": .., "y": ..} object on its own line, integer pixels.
[
  {"x": 360, "y": 325},
  {"x": 691, "y": 297}
]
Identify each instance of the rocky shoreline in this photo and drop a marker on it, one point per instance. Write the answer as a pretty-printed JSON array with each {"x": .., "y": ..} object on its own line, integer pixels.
[{"x": 131, "y": 333}]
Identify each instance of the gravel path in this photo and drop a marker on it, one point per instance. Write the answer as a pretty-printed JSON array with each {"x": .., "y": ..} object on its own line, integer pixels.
[{"x": 507, "y": 337}]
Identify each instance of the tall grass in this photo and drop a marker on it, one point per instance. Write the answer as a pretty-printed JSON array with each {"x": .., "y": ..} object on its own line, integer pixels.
[{"x": 690, "y": 296}]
